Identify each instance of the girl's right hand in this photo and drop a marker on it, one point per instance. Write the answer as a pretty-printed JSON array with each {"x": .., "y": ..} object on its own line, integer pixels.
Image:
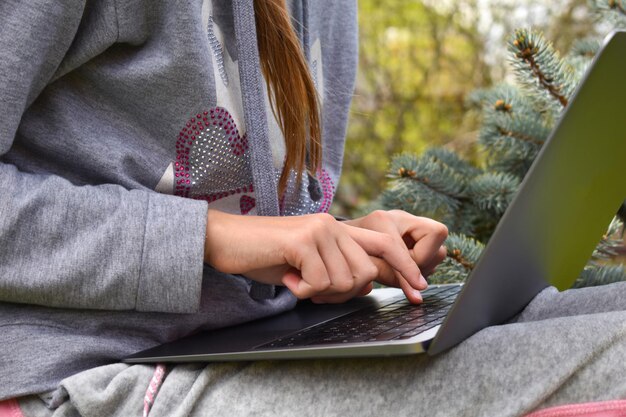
[{"x": 313, "y": 255}]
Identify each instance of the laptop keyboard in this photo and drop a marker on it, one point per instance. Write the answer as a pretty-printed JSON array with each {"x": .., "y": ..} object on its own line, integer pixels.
[{"x": 394, "y": 319}]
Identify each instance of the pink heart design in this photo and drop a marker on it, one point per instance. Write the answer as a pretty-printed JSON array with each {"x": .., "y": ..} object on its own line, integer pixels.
[
  {"x": 212, "y": 161},
  {"x": 299, "y": 202}
]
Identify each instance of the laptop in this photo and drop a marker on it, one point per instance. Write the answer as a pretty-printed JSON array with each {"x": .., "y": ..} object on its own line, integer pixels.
[{"x": 563, "y": 206}]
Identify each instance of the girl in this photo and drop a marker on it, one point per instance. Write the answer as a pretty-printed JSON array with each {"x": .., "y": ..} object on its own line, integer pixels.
[
  {"x": 166, "y": 168},
  {"x": 105, "y": 102}
]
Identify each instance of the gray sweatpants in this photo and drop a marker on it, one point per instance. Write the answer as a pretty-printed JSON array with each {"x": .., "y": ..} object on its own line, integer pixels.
[{"x": 567, "y": 347}]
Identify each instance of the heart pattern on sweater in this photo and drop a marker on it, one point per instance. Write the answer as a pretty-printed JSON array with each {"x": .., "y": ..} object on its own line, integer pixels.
[
  {"x": 212, "y": 159},
  {"x": 213, "y": 162},
  {"x": 300, "y": 202}
]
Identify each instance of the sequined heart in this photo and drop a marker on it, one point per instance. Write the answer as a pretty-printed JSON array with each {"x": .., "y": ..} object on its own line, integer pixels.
[
  {"x": 212, "y": 161},
  {"x": 300, "y": 201}
]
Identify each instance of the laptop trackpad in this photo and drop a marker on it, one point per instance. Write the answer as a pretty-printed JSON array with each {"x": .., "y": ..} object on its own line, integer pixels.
[{"x": 248, "y": 335}]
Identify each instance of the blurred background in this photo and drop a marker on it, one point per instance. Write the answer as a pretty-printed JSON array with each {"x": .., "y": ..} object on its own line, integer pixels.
[{"x": 419, "y": 60}]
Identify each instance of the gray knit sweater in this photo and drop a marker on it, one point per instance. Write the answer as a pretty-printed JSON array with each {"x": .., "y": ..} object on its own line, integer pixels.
[{"x": 121, "y": 122}]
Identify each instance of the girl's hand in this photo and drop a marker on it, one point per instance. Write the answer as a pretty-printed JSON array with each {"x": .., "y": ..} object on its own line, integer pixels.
[
  {"x": 422, "y": 237},
  {"x": 313, "y": 255}
]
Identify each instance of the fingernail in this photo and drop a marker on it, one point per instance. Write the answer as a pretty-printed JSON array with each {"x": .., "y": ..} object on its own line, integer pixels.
[
  {"x": 423, "y": 281},
  {"x": 418, "y": 295}
]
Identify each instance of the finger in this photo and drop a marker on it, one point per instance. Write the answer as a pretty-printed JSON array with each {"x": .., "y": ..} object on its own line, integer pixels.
[
  {"x": 362, "y": 269},
  {"x": 391, "y": 250},
  {"x": 428, "y": 241},
  {"x": 269, "y": 275},
  {"x": 336, "y": 263},
  {"x": 365, "y": 290},
  {"x": 383, "y": 224},
  {"x": 312, "y": 277},
  {"x": 391, "y": 278},
  {"x": 411, "y": 288},
  {"x": 294, "y": 282},
  {"x": 342, "y": 298},
  {"x": 412, "y": 294},
  {"x": 395, "y": 224},
  {"x": 386, "y": 275},
  {"x": 437, "y": 259},
  {"x": 427, "y": 234}
]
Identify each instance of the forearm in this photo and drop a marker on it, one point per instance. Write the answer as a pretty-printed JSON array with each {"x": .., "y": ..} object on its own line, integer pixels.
[{"x": 100, "y": 247}]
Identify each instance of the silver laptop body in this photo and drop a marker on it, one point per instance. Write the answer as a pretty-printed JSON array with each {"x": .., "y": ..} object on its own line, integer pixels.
[{"x": 569, "y": 196}]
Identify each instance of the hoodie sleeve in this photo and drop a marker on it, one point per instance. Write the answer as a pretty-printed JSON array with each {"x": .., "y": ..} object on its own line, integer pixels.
[{"x": 63, "y": 245}]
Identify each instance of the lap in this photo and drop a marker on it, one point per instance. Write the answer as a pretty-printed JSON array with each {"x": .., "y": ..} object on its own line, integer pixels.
[
  {"x": 564, "y": 348},
  {"x": 551, "y": 303}
]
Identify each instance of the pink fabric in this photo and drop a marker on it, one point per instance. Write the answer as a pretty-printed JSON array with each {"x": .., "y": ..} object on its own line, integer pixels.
[
  {"x": 600, "y": 409},
  {"x": 10, "y": 408},
  {"x": 153, "y": 388}
]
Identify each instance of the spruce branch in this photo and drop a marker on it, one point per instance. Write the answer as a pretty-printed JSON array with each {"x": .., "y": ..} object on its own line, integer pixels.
[
  {"x": 424, "y": 186},
  {"x": 516, "y": 121},
  {"x": 617, "y": 5},
  {"x": 464, "y": 250},
  {"x": 611, "y": 243},
  {"x": 512, "y": 140},
  {"x": 508, "y": 100},
  {"x": 622, "y": 214},
  {"x": 476, "y": 99},
  {"x": 429, "y": 171},
  {"x": 537, "y": 63},
  {"x": 452, "y": 161},
  {"x": 448, "y": 272},
  {"x": 613, "y": 11},
  {"x": 457, "y": 256},
  {"x": 524, "y": 137},
  {"x": 493, "y": 191},
  {"x": 581, "y": 55},
  {"x": 512, "y": 123},
  {"x": 419, "y": 200},
  {"x": 502, "y": 98},
  {"x": 584, "y": 48},
  {"x": 463, "y": 253},
  {"x": 471, "y": 221},
  {"x": 594, "y": 275}
]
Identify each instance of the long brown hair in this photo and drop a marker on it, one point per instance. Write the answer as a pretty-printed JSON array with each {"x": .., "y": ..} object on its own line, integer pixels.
[{"x": 291, "y": 89}]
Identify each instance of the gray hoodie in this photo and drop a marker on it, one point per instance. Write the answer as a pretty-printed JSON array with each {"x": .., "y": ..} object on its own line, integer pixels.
[{"x": 121, "y": 123}]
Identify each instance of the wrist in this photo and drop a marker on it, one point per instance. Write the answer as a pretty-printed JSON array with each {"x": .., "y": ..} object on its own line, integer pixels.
[
  {"x": 217, "y": 222},
  {"x": 245, "y": 245}
]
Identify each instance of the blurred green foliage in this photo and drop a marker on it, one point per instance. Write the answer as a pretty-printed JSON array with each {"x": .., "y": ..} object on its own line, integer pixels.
[
  {"x": 419, "y": 60},
  {"x": 424, "y": 69},
  {"x": 416, "y": 66}
]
